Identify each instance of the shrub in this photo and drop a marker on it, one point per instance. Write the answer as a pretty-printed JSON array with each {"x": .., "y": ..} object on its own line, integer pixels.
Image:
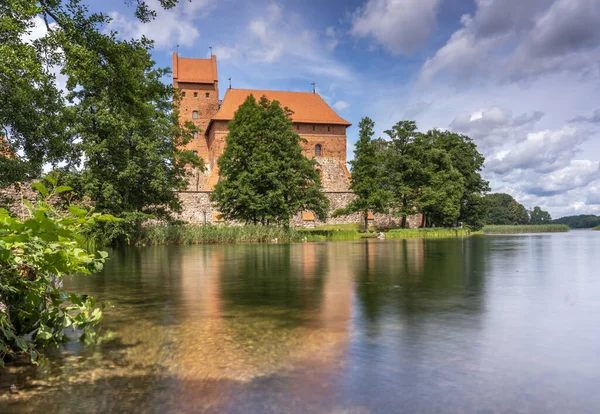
[{"x": 36, "y": 252}]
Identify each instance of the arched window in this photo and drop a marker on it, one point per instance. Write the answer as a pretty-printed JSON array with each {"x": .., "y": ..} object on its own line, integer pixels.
[
  {"x": 195, "y": 115},
  {"x": 318, "y": 150},
  {"x": 195, "y": 152},
  {"x": 195, "y": 134}
]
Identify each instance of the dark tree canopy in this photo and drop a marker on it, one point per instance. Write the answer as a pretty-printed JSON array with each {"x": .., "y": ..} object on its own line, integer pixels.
[
  {"x": 583, "y": 221},
  {"x": 265, "y": 178},
  {"x": 113, "y": 127},
  {"x": 539, "y": 216},
  {"x": 503, "y": 209},
  {"x": 367, "y": 175},
  {"x": 436, "y": 173}
]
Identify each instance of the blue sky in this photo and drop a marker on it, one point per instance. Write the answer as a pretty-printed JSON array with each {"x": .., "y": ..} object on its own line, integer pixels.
[{"x": 521, "y": 77}]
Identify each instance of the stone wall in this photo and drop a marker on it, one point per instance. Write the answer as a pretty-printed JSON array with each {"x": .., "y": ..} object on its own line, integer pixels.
[{"x": 197, "y": 209}]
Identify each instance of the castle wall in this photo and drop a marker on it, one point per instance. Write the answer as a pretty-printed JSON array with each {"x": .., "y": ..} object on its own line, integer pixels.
[
  {"x": 216, "y": 142},
  {"x": 197, "y": 209},
  {"x": 332, "y": 139}
]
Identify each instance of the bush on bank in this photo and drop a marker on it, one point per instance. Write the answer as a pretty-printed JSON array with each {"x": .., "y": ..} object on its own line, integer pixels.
[{"x": 36, "y": 252}]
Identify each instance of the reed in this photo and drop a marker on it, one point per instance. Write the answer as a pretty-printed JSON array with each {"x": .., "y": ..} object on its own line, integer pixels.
[
  {"x": 198, "y": 234},
  {"x": 397, "y": 234},
  {"x": 537, "y": 228}
]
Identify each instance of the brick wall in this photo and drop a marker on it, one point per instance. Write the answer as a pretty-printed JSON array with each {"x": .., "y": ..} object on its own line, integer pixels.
[
  {"x": 206, "y": 107},
  {"x": 332, "y": 139}
]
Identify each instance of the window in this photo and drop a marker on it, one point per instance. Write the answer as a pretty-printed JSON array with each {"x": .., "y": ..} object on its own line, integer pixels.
[
  {"x": 195, "y": 115},
  {"x": 195, "y": 134},
  {"x": 195, "y": 152},
  {"x": 328, "y": 129},
  {"x": 297, "y": 127},
  {"x": 318, "y": 150},
  {"x": 313, "y": 127},
  {"x": 195, "y": 94},
  {"x": 183, "y": 93},
  {"x": 207, "y": 95}
]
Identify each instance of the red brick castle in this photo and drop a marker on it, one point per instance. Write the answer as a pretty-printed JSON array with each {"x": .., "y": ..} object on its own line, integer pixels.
[{"x": 314, "y": 120}]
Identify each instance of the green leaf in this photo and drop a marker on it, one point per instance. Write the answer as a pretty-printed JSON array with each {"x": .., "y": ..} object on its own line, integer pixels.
[
  {"x": 62, "y": 189},
  {"x": 41, "y": 188},
  {"x": 79, "y": 212}
]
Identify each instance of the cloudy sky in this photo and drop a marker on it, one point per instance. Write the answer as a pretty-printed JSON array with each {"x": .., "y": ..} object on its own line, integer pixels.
[{"x": 521, "y": 77}]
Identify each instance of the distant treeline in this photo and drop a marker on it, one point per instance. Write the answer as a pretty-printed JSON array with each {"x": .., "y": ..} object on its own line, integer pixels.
[
  {"x": 503, "y": 209},
  {"x": 583, "y": 221}
]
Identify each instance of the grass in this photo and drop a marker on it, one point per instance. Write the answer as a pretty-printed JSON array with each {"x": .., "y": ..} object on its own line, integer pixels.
[
  {"x": 596, "y": 228},
  {"x": 198, "y": 234},
  {"x": 539, "y": 228},
  {"x": 425, "y": 233}
]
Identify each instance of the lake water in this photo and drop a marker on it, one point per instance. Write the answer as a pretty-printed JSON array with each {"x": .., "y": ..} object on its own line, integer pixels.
[{"x": 487, "y": 324}]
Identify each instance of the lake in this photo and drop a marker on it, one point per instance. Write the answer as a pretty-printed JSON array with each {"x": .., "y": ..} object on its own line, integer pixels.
[{"x": 486, "y": 324}]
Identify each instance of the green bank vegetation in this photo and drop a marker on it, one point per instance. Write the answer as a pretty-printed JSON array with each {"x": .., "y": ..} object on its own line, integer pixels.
[
  {"x": 165, "y": 234},
  {"x": 432, "y": 232},
  {"x": 596, "y": 228},
  {"x": 36, "y": 252},
  {"x": 527, "y": 228}
]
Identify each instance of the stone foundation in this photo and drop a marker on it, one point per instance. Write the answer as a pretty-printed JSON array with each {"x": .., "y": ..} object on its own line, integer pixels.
[{"x": 197, "y": 209}]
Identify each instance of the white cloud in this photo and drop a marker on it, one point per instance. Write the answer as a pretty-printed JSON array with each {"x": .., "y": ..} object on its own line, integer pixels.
[
  {"x": 341, "y": 105},
  {"x": 494, "y": 127},
  {"x": 543, "y": 151},
  {"x": 398, "y": 25},
  {"x": 518, "y": 40},
  {"x": 282, "y": 41},
  {"x": 170, "y": 28}
]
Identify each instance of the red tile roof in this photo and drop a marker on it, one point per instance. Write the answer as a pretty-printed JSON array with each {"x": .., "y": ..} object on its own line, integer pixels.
[
  {"x": 195, "y": 70},
  {"x": 308, "y": 107}
]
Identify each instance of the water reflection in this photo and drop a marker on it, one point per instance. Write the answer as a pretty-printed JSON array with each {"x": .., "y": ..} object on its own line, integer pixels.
[{"x": 415, "y": 326}]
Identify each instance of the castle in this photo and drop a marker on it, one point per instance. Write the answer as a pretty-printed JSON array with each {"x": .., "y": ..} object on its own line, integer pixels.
[{"x": 313, "y": 119}]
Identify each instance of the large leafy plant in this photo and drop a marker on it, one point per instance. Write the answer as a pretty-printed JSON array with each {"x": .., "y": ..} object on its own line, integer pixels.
[{"x": 37, "y": 250}]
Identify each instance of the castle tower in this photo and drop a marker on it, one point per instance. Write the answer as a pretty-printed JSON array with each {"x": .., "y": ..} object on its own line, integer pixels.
[{"x": 199, "y": 84}]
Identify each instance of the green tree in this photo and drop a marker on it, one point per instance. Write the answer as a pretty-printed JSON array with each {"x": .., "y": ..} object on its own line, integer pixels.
[
  {"x": 503, "y": 209},
  {"x": 469, "y": 162},
  {"x": 443, "y": 185},
  {"x": 583, "y": 221},
  {"x": 539, "y": 216},
  {"x": 366, "y": 181},
  {"x": 265, "y": 178},
  {"x": 115, "y": 116},
  {"x": 403, "y": 172}
]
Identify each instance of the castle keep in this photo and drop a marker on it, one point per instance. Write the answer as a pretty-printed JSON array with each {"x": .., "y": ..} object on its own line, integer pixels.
[{"x": 313, "y": 119}]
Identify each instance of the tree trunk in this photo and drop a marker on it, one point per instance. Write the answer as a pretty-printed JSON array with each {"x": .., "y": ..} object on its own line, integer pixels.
[{"x": 366, "y": 221}]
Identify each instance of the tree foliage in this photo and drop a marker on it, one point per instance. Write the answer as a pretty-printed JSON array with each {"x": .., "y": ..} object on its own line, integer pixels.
[
  {"x": 367, "y": 176},
  {"x": 36, "y": 252},
  {"x": 265, "y": 178},
  {"x": 436, "y": 173},
  {"x": 114, "y": 116},
  {"x": 539, "y": 216},
  {"x": 583, "y": 221},
  {"x": 503, "y": 209}
]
